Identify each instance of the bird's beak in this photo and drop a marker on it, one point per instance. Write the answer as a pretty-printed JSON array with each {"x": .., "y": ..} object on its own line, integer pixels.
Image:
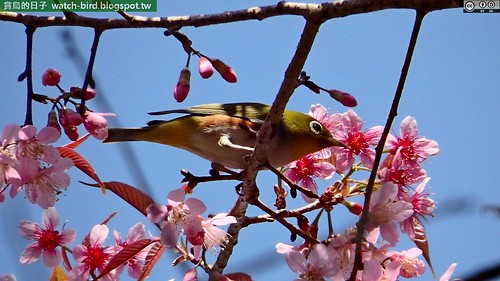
[{"x": 335, "y": 142}]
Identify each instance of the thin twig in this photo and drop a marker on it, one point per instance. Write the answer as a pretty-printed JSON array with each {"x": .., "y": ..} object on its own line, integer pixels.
[
  {"x": 363, "y": 221},
  {"x": 88, "y": 75},
  {"x": 283, "y": 214},
  {"x": 307, "y": 192},
  {"x": 285, "y": 223},
  {"x": 28, "y": 74}
]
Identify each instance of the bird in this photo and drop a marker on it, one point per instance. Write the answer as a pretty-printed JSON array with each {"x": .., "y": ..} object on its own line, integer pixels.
[{"x": 226, "y": 133}]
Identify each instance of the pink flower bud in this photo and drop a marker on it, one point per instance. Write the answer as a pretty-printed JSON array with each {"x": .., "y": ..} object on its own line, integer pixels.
[
  {"x": 343, "y": 97},
  {"x": 225, "y": 71},
  {"x": 77, "y": 93},
  {"x": 96, "y": 125},
  {"x": 71, "y": 132},
  {"x": 51, "y": 77},
  {"x": 205, "y": 68},
  {"x": 68, "y": 117},
  {"x": 52, "y": 121},
  {"x": 353, "y": 207},
  {"x": 181, "y": 90}
]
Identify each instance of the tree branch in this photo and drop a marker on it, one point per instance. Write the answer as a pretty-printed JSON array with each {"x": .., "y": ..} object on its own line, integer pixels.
[
  {"x": 363, "y": 221},
  {"x": 324, "y": 11},
  {"x": 89, "y": 80},
  {"x": 28, "y": 75}
]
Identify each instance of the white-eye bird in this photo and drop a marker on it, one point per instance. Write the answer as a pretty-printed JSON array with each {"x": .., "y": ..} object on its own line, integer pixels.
[{"x": 226, "y": 133}]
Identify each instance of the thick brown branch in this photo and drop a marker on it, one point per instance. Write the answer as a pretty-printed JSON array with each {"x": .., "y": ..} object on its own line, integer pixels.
[
  {"x": 324, "y": 11},
  {"x": 249, "y": 175}
]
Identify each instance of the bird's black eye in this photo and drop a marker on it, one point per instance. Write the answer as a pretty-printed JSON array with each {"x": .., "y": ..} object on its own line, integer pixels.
[{"x": 316, "y": 127}]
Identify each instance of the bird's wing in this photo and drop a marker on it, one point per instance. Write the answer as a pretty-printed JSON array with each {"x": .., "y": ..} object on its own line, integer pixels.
[{"x": 254, "y": 112}]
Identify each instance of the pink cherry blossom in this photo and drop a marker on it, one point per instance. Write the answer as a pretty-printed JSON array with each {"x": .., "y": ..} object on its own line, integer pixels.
[
  {"x": 8, "y": 159},
  {"x": 358, "y": 142},
  {"x": 344, "y": 248},
  {"x": 42, "y": 184},
  {"x": 396, "y": 171},
  {"x": 96, "y": 124},
  {"x": 46, "y": 238},
  {"x": 135, "y": 264},
  {"x": 386, "y": 210},
  {"x": 36, "y": 146},
  {"x": 374, "y": 271},
  {"x": 413, "y": 148},
  {"x": 304, "y": 170},
  {"x": 93, "y": 257},
  {"x": 212, "y": 235},
  {"x": 411, "y": 266},
  {"x": 422, "y": 206},
  {"x": 8, "y": 173},
  {"x": 316, "y": 264},
  {"x": 177, "y": 215}
]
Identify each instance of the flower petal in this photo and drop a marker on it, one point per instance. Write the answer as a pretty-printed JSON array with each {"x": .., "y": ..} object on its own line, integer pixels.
[
  {"x": 98, "y": 234},
  {"x": 28, "y": 229},
  {"x": 51, "y": 257},
  {"x": 50, "y": 218},
  {"x": 30, "y": 254}
]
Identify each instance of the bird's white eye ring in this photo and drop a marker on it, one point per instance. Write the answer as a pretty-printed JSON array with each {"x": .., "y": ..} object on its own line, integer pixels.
[{"x": 316, "y": 127}]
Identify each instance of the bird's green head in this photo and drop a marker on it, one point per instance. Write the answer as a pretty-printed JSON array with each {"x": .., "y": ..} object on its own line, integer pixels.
[{"x": 304, "y": 134}]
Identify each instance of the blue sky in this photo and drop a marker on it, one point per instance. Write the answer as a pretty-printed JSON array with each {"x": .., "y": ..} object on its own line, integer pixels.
[{"x": 452, "y": 90}]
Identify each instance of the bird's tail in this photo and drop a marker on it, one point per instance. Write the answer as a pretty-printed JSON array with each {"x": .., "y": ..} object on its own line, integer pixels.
[{"x": 124, "y": 134}]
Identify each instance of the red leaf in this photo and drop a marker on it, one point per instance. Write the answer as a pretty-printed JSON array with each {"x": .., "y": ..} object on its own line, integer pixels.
[
  {"x": 125, "y": 254},
  {"x": 131, "y": 195},
  {"x": 76, "y": 143},
  {"x": 422, "y": 243},
  {"x": 153, "y": 256},
  {"x": 81, "y": 163}
]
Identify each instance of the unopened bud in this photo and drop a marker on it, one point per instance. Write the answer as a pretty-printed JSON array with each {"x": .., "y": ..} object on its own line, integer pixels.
[
  {"x": 52, "y": 121},
  {"x": 51, "y": 77},
  {"x": 205, "y": 68},
  {"x": 77, "y": 93},
  {"x": 343, "y": 97},
  {"x": 181, "y": 90},
  {"x": 68, "y": 117},
  {"x": 225, "y": 71},
  {"x": 71, "y": 132},
  {"x": 353, "y": 207}
]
